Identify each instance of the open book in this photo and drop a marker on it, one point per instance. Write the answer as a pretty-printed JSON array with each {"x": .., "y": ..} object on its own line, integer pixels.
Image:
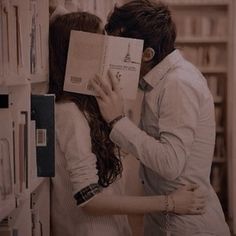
[{"x": 91, "y": 54}]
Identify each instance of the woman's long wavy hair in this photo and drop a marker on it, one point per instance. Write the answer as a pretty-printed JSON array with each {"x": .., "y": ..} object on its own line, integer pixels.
[{"x": 108, "y": 164}]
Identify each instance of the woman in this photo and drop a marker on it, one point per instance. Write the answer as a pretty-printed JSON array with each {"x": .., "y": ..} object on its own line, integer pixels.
[{"x": 87, "y": 167}]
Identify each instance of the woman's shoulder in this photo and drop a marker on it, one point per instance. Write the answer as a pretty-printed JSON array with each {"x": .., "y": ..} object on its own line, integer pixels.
[
  {"x": 67, "y": 108},
  {"x": 69, "y": 111},
  {"x": 70, "y": 123}
]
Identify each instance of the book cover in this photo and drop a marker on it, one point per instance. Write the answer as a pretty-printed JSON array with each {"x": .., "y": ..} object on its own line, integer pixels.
[
  {"x": 42, "y": 111},
  {"x": 91, "y": 54}
]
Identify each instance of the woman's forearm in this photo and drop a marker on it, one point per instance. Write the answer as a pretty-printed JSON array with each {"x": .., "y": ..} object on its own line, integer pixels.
[{"x": 105, "y": 204}]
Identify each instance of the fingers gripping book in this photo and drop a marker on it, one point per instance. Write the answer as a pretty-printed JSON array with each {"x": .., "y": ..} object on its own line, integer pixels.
[{"x": 90, "y": 54}]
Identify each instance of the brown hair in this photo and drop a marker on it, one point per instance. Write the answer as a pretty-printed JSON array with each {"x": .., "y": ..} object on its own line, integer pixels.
[
  {"x": 108, "y": 164},
  {"x": 147, "y": 20}
]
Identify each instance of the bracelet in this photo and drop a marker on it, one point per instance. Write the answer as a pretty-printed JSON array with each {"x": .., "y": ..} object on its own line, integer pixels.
[
  {"x": 169, "y": 206},
  {"x": 166, "y": 204},
  {"x": 114, "y": 121},
  {"x": 173, "y": 202}
]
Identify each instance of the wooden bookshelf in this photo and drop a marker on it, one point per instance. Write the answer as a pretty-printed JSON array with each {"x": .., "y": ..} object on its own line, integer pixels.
[
  {"x": 204, "y": 36},
  {"x": 24, "y": 60}
]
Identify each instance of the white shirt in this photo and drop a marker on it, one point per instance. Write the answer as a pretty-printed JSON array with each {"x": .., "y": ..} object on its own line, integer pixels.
[
  {"x": 76, "y": 169},
  {"x": 175, "y": 144}
]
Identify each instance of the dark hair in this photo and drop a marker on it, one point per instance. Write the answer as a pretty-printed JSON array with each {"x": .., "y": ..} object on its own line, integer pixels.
[
  {"x": 108, "y": 164},
  {"x": 147, "y": 20}
]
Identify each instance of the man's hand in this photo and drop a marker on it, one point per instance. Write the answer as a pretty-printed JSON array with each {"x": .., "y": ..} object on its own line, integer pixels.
[{"x": 109, "y": 97}]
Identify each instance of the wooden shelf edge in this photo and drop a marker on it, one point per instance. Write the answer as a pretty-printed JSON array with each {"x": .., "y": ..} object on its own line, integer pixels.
[
  {"x": 7, "y": 206},
  {"x": 38, "y": 78},
  {"x": 36, "y": 183},
  {"x": 198, "y": 39},
  {"x": 219, "y": 160},
  {"x": 218, "y": 99},
  {"x": 183, "y": 3},
  {"x": 206, "y": 70}
]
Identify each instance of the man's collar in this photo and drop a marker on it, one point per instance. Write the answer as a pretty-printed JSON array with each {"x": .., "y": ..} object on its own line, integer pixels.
[{"x": 158, "y": 72}]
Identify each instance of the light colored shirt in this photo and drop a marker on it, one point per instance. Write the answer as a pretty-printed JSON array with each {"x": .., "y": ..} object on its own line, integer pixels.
[
  {"x": 75, "y": 170},
  {"x": 175, "y": 144}
]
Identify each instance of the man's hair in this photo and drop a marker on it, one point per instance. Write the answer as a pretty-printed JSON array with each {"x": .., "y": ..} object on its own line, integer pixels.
[
  {"x": 108, "y": 164},
  {"x": 147, "y": 20}
]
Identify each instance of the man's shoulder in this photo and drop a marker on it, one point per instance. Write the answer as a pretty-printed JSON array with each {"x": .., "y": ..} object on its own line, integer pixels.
[
  {"x": 185, "y": 72},
  {"x": 186, "y": 77}
]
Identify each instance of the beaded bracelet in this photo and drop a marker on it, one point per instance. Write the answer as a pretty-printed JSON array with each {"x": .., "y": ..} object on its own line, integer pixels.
[
  {"x": 168, "y": 206},
  {"x": 173, "y": 202},
  {"x": 114, "y": 121},
  {"x": 166, "y": 201}
]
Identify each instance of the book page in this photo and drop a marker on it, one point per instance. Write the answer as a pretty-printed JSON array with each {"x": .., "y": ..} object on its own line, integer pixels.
[{"x": 90, "y": 54}]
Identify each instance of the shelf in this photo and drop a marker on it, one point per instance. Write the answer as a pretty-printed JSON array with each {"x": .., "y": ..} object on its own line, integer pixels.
[
  {"x": 213, "y": 70},
  {"x": 38, "y": 78},
  {"x": 14, "y": 81},
  {"x": 203, "y": 40},
  {"x": 197, "y": 2},
  {"x": 219, "y": 129},
  {"x": 7, "y": 206},
  {"x": 218, "y": 99},
  {"x": 36, "y": 183},
  {"x": 22, "y": 197},
  {"x": 219, "y": 160}
]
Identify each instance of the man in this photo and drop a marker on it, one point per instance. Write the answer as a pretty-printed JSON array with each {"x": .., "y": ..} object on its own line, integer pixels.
[{"x": 175, "y": 141}]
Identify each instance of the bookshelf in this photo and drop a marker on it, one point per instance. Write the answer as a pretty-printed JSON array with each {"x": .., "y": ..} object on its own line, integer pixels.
[
  {"x": 231, "y": 130},
  {"x": 23, "y": 62},
  {"x": 205, "y": 35}
]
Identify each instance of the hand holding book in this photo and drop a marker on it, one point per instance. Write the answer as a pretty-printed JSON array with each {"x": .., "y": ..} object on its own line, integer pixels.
[
  {"x": 109, "y": 97},
  {"x": 90, "y": 54}
]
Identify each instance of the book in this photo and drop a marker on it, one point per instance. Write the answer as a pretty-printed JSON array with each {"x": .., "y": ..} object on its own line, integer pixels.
[
  {"x": 5, "y": 38},
  {"x": 6, "y": 154},
  {"x": 33, "y": 160},
  {"x": 23, "y": 150},
  {"x": 90, "y": 54},
  {"x": 42, "y": 111}
]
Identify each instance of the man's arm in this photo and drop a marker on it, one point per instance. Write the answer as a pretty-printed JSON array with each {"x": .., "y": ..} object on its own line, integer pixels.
[{"x": 178, "y": 114}]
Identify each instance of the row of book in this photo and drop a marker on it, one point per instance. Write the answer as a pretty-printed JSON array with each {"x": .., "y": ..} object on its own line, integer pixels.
[
  {"x": 205, "y": 56},
  {"x": 205, "y": 26},
  {"x": 219, "y": 152},
  {"x": 24, "y": 37},
  {"x": 30, "y": 218},
  {"x": 216, "y": 85},
  {"x": 26, "y": 146}
]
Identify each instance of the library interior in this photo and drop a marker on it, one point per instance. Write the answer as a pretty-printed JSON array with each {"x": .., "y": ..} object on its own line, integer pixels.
[{"x": 37, "y": 183}]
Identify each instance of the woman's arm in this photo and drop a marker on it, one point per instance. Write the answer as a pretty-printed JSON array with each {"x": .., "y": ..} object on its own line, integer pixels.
[
  {"x": 186, "y": 200},
  {"x": 105, "y": 204}
]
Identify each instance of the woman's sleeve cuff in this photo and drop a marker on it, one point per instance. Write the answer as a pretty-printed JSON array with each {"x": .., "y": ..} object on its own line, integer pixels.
[{"x": 87, "y": 193}]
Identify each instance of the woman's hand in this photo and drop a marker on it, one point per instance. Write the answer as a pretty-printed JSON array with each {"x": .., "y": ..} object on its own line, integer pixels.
[{"x": 188, "y": 200}]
